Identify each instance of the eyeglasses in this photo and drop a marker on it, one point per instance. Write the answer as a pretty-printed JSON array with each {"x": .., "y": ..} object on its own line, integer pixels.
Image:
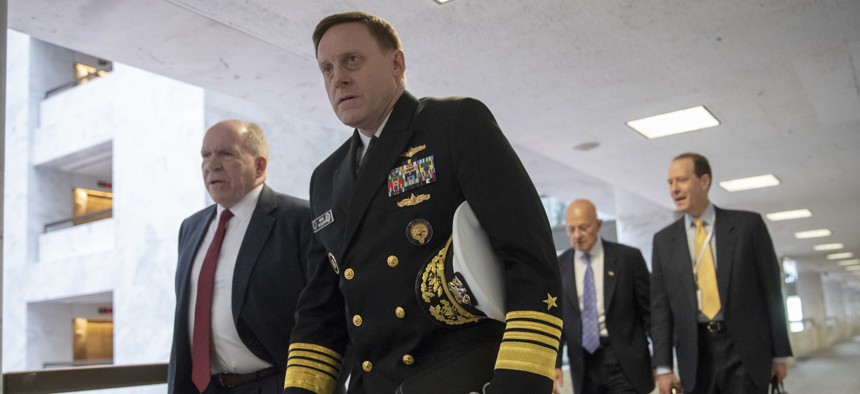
[{"x": 583, "y": 228}]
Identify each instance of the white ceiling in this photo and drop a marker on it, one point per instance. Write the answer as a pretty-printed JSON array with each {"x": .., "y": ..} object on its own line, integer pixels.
[{"x": 781, "y": 75}]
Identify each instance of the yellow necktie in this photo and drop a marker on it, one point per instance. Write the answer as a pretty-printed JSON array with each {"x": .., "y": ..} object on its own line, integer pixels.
[{"x": 706, "y": 275}]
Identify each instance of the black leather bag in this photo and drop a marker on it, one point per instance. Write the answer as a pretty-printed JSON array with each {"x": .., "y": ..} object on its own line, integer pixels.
[{"x": 776, "y": 386}]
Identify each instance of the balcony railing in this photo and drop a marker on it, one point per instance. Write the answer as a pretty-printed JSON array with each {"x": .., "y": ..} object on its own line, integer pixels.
[
  {"x": 71, "y": 84},
  {"x": 68, "y": 380},
  {"x": 69, "y": 222}
]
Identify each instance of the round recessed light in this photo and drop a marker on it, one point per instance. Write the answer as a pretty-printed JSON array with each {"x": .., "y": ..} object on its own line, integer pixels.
[{"x": 587, "y": 146}]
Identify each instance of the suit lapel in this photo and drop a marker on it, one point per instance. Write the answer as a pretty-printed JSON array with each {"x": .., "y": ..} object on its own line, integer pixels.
[
  {"x": 568, "y": 279},
  {"x": 386, "y": 153},
  {"x": 252, "y": 245},
  {"x": 186, "y": 260},
  {"x": 724, "y": 231},
  {"x": 610, "y": 269}
]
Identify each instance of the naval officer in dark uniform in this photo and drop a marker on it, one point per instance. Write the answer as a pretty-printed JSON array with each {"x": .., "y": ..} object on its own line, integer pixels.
[{"x": 383, "y": 205}]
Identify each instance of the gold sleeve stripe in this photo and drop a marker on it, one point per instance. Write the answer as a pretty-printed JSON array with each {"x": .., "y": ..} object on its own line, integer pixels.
[
  {"x": 527, "y": 357},
  {"x": 534, "y": 315},
  {"x": 316, "y": 348},
  {"x": 316, "y": 357},
  {"x": 520, "y": 325},
  {"x": 309, "y": 379},
  {"x": 322, "y": 367},
  {"x": 312, "y": 367},
  {"x": 531, "y": 337}
]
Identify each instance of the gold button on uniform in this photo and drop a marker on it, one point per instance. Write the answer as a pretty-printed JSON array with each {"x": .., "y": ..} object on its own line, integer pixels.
[
  {"x": 400, "y": 312},
  {"x": 356, "y": 320},
  {"x": 393, "y": 261},
  {"x": 348, "y": 273},
  {"x": 367, "y": 366},
  {"x": 408, "y": 359}
]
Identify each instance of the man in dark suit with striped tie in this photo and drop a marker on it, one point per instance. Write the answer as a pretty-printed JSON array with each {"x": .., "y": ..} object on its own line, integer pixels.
[{"x": 605, "y": 309}]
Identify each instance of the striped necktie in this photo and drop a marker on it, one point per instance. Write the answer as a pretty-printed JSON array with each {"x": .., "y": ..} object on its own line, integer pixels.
[{"x": 590, "y": 329}]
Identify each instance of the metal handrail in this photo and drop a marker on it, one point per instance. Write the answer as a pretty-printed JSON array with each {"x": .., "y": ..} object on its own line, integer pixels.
[
  {"x": 67, "y": 380},
  {"x": 48, "y": 226},
  {"x": 71, "y": 84},
  {"x": 77, "y": 363}
]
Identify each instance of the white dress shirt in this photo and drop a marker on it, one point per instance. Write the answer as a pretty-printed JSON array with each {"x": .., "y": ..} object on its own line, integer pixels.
[
  {"x": 229, "y": 352},
  {"x": 365, "y": 140}
]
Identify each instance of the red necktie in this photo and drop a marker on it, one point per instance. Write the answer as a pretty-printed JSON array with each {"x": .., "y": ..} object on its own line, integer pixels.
[{"x": 200, "y": 372}]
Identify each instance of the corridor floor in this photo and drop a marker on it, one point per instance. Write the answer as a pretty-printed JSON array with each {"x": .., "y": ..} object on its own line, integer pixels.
[
  {"x": 832, "y": 371},
  {"x": 828, "y": 371}
]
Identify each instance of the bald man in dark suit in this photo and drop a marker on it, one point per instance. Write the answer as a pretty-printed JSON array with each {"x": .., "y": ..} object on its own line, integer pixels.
[{"x": 618, "y": 360}]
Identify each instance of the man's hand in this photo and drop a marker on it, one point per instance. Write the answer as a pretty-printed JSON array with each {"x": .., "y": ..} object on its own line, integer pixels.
[
  {"x": 558, "y": 382},
  {"x": 666, "y": 382},
  {"x": 779, "y": 370}
]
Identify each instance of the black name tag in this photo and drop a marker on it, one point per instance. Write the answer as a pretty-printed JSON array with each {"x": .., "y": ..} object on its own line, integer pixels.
[{"x": 323, "y": 220}]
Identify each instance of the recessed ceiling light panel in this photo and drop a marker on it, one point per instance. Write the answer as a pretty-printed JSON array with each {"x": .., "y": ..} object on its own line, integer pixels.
[
  {"x": 840, "y": 256},
  {"x": 812, "y": 234},
  {"x": 834, "y": 246},
  {"x": 789, "y": 215},
  {"x": 846, "y": 263},
  {"x": 677, "y": 122},
  {"x": 753, "y": 182}
]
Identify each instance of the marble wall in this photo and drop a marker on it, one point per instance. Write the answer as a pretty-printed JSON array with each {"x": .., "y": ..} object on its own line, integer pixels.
[{"x": 16, "y": 248}]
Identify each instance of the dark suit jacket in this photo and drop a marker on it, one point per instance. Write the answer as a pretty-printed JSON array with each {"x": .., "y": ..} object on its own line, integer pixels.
[
  {"x": 749, "y": 281},
  {"x": 368, "y": 239},
  {"x": 270, "y": 273},
  {"x": 627, "y": 313}
]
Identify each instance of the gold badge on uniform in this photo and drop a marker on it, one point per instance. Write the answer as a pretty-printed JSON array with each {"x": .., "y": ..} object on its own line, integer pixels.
[
  {"x": 333, "y": 262},
  {"x": 413, "y": 150},
  {"x": 413, "y": 200},
  {"x": 419, "y": 231}
]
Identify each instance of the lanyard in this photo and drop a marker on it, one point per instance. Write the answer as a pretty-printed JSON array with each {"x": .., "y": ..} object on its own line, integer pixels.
[{"x": 701, "y": 252}]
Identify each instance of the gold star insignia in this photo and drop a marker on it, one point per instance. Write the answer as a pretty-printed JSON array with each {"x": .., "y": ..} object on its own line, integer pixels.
[{"x": 550, "y": 301}]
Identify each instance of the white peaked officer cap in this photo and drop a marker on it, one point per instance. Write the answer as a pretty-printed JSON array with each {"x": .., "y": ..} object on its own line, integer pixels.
[
  {"x": 475, "y": 260},
  {"x": 463, "y": 283}
]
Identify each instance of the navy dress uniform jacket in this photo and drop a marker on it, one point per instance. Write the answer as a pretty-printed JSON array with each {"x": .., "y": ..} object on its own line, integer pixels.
[
  {"x": 367, "y": 258},
  {"x": 271, "y": 271},
  {"x": 626, "y": 310},
  {"x": 749, "y": 282}
]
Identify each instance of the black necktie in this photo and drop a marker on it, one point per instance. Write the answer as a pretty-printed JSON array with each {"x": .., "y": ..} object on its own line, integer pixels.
[{"x": 366, "y": 154}]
